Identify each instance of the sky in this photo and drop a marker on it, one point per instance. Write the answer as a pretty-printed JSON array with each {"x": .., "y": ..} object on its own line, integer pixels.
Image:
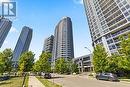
[{"x": 42, "y": 16}]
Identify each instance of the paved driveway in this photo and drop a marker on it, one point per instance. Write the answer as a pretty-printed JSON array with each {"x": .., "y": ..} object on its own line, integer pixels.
[{"x": 81, "y": 81}]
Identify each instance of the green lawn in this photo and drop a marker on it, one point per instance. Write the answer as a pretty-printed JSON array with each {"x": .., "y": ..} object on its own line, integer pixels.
[
  {"x": 48, "y": 83},
  {"x": 26, "y": 81},
  {"x": 127, "y": 80},
  {"x": 12, "y": 82}
]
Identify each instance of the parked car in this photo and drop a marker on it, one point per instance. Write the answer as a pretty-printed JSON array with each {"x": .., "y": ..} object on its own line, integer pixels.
[
  {"x": 47, "y": 75},
  {"x": 107, "y": 76},
  {"x": 2, "y": 78}
]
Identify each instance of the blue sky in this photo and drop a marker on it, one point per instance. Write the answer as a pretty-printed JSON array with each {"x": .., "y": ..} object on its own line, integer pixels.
[{"x": 43, "y": 16}]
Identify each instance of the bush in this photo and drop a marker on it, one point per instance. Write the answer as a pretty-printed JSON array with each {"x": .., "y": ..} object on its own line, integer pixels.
[{"x": 90, "y": 74}]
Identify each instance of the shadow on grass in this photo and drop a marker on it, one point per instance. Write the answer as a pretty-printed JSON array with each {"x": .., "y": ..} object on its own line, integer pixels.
[
  {"x": 4, "y": 83},
  {"x": 110, "y": 81},
  {"x": 57, "y": 77}
]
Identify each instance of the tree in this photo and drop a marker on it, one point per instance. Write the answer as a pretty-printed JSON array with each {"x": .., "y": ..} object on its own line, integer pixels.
[
  {"x": 7, "y": 53},
  {"x": 43, "y": 64},
  {"x": 5, "y": 61},
  {"x": 113, "y": 63},
  {"x": 26, "y": 61},
  {"x": 2, "y": 63},
  {"x": 61, "y": 66},
  {"x": 75, "y": 68},
  {"x": 37, "y": 66},
  {"x": 125, "y": 52},
  {"x": 100, "y": 59}
]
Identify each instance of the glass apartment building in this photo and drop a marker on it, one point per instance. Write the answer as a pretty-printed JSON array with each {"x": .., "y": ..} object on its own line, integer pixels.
[
  {"x": 63, "y": 40},
  {"x": 5, "y": 26},
  {"x": 48, "y": 45},
  {"x": 23, "y": 43},
  {"x": 108, "y": 19}
]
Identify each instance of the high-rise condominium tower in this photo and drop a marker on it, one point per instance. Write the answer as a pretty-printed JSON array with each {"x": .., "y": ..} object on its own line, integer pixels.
[
  {"x": 5, "y": 26},
  {"x": 48, "y": 44},
  {"x": 108, "y": 19},
  {"x": 63, "y": 40},
  {"x": 23, "y": 43}
]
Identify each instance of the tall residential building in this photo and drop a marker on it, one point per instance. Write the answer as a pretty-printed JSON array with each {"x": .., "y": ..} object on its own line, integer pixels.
[
  {"x": 63, "y": 40},
  {"x": 108, "y": 19},
  {"x": 48, "y": 44},
  {"x": 5, "y": 26},
  {"x": 23, "y": 43}
]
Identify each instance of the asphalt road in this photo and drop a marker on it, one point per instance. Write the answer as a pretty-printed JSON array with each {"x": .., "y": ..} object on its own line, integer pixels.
[{"x": 82, "y": 81}]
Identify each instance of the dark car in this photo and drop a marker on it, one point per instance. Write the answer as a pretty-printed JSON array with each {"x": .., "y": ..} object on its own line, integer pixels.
[
  {"x": 47, "y": 75},
  {"x": 2, "y": 78},
  {"x": 107, "y": 76}
]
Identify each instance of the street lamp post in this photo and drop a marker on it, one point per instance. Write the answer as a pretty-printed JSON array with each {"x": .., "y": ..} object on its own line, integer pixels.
[{"x": 88, "y": 49}]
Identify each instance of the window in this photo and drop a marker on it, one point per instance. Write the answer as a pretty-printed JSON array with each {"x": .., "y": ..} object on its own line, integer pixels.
[
  {"x": 123, "y": 9},
  {"x": 110, "y": 41},
  {"x": 126, "y": 13},
  {"x": 127, "y": 6},
  {"x": 113, "y": 47},
  {"x": 129, "y": 11},
  {"x": 118, "y": 1},
  {"x": 128, "y": 18},
  {"x": 124, "y": 2},
  {"x": 110, "y": 48},
  {"x": 120, "y": 4},
  {"x": 108, "y": 36}
]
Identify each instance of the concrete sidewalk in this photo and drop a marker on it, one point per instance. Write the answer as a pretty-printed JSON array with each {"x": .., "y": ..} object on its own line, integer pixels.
[{"x": 34, "y": 82}]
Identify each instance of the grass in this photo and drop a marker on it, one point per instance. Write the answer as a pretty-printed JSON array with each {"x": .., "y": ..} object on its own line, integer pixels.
[
  {"x": 26, "y": 81},
  {"x": 12, "y": 82},
  {"x": 48, "y": 83},
  {"x": 127, "y": 79}
]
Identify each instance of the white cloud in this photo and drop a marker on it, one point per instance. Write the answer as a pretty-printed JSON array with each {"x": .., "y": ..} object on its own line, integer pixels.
[
  {"x": 13, "y": 30},
  {"x": 78, "y": 1}
]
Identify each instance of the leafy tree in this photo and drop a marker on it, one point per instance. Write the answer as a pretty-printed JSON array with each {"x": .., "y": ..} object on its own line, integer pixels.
[
  {"x": 37, "y": 66},
  {"x": 7, "y": 53},
  {"x": 5, "y": 60},
  {"x": 100, "y": 59},
  {"x": 26, "y": 61},
  {"x": 61, "y": 66},
  {"x": 125, "y": 52},
  {"x": 75, "y": 68},
  {"x": 43, "y": 64},
  {"x": 113, "y": 63},
  {"x": 2, "y": 63}
]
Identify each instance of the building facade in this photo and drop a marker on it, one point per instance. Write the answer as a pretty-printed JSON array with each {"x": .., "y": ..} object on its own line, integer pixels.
[
  {"x": 63, "y": 40},
  {"x": 23, "y": 43},
  {"x": 84, "y": 63},
  {"x": 108, "y": 19},
  {"x": 5, "y": 26},
  {"x": 48, "y": 45}
]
